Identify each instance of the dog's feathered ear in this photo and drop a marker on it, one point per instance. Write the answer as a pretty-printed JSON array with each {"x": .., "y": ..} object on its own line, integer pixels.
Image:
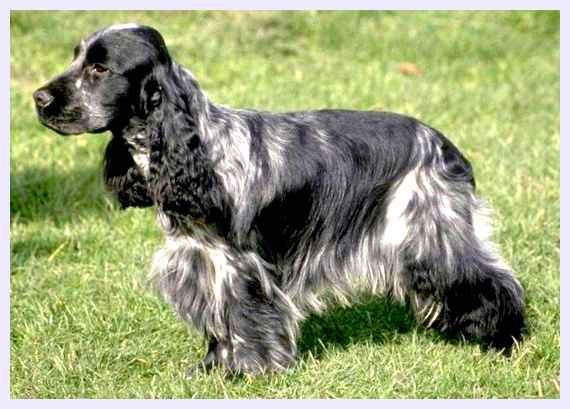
[
  {"x": 151, "y": 94},
  {"x": 181, "y": 177}
]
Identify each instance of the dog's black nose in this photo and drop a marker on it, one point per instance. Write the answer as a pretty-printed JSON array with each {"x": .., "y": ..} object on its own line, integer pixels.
[{"x": 42, "y": 98}]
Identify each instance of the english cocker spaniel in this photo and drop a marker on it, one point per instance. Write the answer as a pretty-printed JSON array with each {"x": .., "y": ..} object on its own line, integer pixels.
[{"x": 268, "y": 216}]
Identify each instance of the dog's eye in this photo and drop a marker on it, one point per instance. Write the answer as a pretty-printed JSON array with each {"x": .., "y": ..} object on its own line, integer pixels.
[{"x": 99, "y": 69}]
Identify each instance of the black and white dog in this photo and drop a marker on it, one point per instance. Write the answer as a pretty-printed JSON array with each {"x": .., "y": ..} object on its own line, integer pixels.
[{"x": 267, "y": 215}]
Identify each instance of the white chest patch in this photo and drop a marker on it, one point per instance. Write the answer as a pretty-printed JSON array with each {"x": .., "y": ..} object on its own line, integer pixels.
[
  {"x": 142, "y": 161},
  {"x": 139, "y": 151}
]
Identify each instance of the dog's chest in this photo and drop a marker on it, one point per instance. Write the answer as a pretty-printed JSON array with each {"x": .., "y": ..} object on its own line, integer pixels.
[{"x": 138, "y": 147}]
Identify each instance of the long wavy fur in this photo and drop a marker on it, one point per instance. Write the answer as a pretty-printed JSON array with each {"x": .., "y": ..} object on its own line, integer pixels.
[{"x": 265, "y": 212}]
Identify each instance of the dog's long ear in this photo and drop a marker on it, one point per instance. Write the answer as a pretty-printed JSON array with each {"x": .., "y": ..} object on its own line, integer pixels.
[
  {"x": 181, "y": 178},
  {"x": 150, "y": 94}
]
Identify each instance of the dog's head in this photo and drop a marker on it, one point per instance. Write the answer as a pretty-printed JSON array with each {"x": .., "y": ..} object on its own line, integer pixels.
[{"x": 109, "y": 81}]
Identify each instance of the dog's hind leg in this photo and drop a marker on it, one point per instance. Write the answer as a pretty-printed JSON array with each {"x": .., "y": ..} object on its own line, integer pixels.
[
  {"x": 454, "y": 278},
  {"x": 477, "y": 299}
]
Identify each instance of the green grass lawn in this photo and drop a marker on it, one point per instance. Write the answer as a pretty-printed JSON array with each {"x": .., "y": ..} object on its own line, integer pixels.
[{"x": 83, "y": 324}]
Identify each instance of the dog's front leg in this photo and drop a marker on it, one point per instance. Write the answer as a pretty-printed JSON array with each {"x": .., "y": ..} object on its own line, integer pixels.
[
  {"x": 231, "y": 296},
  {"x": 218, "y": 354},
  {"x": 262, "y": 324},
  {"x": 259, "y": 331}
]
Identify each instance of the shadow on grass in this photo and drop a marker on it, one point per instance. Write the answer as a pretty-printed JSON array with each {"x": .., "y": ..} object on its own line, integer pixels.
[
  {"x": 377, "y": 320},
  {"x": 38, "y": 194},
  {"x": 374, "y": 319}
]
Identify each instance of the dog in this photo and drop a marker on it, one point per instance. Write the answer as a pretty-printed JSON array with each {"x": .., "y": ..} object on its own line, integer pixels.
[{"x": 270, "y": 216}]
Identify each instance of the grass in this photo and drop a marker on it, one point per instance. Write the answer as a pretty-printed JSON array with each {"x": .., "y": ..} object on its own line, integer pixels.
[{"x": 84, "y": 325}]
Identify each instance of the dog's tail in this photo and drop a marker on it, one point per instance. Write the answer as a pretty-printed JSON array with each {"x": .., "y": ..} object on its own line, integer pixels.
[{"x": 456, "y": 280}]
